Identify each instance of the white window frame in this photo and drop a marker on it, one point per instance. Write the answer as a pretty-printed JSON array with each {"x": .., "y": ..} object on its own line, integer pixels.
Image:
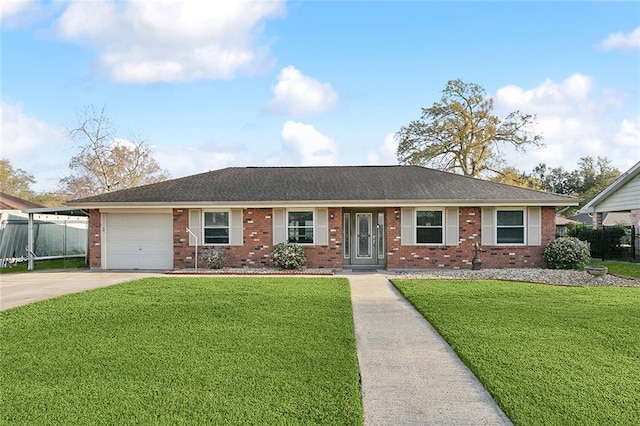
[
  {"x": 416, "y": 227},
  {"x": 204, "y": 227},
  {"x": 524, "y": 225},
  {"x": 313, "y": 228}
]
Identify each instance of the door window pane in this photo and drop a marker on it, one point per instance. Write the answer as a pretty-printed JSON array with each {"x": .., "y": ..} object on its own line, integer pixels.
[
  {"x": 363, "y": 230},
  {"x": 346, "y": 222},
  {"x": 380, "y": 231}
]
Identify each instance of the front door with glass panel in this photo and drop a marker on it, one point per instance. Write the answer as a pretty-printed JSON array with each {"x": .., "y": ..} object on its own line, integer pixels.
[
  {"x": 364, "y": 245},
  {"x": 363, "y": 238}
]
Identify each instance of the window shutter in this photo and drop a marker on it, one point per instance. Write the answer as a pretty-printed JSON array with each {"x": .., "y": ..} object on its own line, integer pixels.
[
  {"x": 534, "y": 226},
  {"x": 451, "y": 232},
  {"x": 195, "y": 218},
  {"x": 321, "y": 237},
  {"x": 279, "y": 226},
  {"x": 407, "y": 228},
  {"x": 488, "y": 226},
  {"x": 236, "y": 228}
]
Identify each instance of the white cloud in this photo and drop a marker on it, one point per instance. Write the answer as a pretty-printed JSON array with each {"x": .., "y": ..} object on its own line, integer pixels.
[
  {"x": 298, "y": 94},
  {"x": 34, "y": 146},
  {"x": 620, "y": 40},
  {"x": 25, "y": 13},
  {"x": 575, "y": 122},
  {"x": 23, "y": 136},
  {"x": 310, "y": 147},
  {"x": 13, "y": 7},
  {"x": 548, "y": 97},
  {"x": 629, "y": 133},
  {"x": 384, "y": 153},
  {"x": 170, "y": 40},
  {"x": 181, "y": 161}
]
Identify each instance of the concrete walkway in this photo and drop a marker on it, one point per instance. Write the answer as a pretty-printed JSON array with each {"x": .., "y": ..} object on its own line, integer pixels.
[
  {"x": 410, "y": 376},
  {"x": 21, "y": 288}
]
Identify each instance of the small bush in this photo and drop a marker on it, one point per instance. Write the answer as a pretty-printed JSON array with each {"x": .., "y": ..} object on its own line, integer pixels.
[
  {"x": 567, "y": 253},
  {"x": 215, "y": 258},
  {"x": 288, "y": 256}
]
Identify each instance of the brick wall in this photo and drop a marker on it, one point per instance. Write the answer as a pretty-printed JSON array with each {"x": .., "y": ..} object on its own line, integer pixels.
[
  {"x": 460, "y": 256},
  {"x": 258, "y": 242},
  {"x": 329, "y": 256},
  {"x": 95, "y": 232}
]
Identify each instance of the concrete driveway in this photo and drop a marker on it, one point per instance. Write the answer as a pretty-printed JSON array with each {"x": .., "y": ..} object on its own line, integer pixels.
[{"x": 23, "y": 288}]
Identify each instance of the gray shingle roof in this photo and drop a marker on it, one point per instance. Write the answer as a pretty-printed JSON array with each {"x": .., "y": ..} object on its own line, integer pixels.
[
  {"x": 331, "y": 183},
  {"x": 9, "y": 202}
]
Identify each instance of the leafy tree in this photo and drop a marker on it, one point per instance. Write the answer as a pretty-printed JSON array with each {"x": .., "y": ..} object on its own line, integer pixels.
[
  {"x": 596, "y": 175},
  {"x": 16, "y": 182},
  {"x": 462, "y": 135},
  {"x": 50, "y": 198},
  {"x": 591, "y": 178},
  {"x": 557, "y": 179},
  {"x": 513, "y": 176},
  {"x": 105, "y": 162}
]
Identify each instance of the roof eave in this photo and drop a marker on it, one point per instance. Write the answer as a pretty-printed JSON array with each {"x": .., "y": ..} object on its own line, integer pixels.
[
  {"x": 591, "y": 206},
  {"x": 327, "y": 203}
]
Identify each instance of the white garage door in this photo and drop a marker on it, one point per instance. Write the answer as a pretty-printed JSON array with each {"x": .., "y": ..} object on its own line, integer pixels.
[{"x": 139, "y": 241}]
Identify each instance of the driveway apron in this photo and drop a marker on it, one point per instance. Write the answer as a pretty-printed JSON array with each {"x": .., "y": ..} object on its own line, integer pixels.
[
  {"x": 23, "y": 288},
  {"x": 410, "y": 375}
]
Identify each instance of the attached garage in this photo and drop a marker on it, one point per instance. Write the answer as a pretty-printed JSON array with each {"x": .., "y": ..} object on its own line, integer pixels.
[{"x": 138, "y": 241}]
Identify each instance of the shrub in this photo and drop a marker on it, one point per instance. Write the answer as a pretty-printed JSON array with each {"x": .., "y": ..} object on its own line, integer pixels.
[
  {"x": 215, "y": 258},
  {"x": 288, "y": 256},
  {"x": 567, "y": 253}
]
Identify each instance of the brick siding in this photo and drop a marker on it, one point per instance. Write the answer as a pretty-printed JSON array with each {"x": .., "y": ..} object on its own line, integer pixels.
[
  {"x": 258, "y": 243},
  {"x": 461, "y": 256},
  {"x": 95, "y": 239}
]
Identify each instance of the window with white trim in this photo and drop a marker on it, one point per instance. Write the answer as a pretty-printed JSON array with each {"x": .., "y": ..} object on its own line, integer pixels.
[
  {"x": 300, "y": 227},
  {"x": 510, "y": 226},
  {"x": 429, "y": 227},
  {"x": 216, "y": 228}
]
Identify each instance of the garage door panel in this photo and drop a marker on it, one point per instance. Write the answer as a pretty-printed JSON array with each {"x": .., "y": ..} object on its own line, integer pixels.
[{"x": 139, "y": 241}]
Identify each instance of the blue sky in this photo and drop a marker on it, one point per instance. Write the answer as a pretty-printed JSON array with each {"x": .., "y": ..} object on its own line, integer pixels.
[{"x": 216, "y": 84}]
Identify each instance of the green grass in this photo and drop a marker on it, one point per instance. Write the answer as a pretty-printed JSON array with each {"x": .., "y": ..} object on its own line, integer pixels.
[
  {"x": 549, "y": 355},
  {"x": 38, "y": 265},
  {"x": 251, "y": 350},
  {"x": 623, "y": 269}
]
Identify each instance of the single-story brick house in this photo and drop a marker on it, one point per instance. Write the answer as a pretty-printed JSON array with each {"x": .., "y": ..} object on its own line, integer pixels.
[{"x": 395, "y": 217}]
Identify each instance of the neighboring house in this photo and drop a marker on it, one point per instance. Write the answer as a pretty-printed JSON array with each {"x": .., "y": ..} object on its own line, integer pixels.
[
  {"x": 561, "y": 225},
  {"x": 398, "y": 217},
  {"x": 13, "y": 239},
  {"x": 54, "y": 235},
  {"x": 607, "y": 219},
  {"x": 623, "y": 195}
]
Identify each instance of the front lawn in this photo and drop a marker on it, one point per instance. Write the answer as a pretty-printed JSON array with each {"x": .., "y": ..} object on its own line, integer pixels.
[
  {"x": 251, "y": 350},
  {"x": 547, "y": 354},
  {"x": 40, "y": 265},
  {"x": 623, "y": 269}
]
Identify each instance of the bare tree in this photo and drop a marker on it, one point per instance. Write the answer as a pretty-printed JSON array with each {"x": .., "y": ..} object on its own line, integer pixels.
[
  {"x": 105, "y": 162},
  {"x": 461, "y": 134}
]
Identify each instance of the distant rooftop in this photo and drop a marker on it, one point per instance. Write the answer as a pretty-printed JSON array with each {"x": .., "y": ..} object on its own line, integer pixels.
[{"x": 9, "y": 202}]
